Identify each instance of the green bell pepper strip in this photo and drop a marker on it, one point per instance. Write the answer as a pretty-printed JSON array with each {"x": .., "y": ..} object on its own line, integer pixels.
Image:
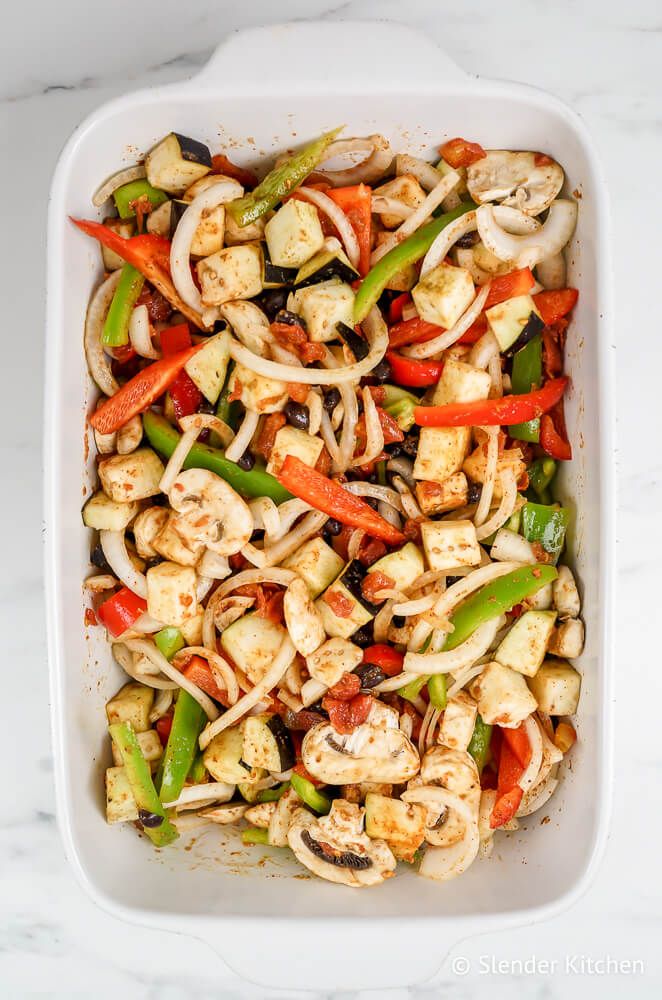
[
  {"x": 169, "y": 641},
  {"x": 257, "y": 483},
  {"x": 541, "y": 472},
  {"x": 479, "y": 744},
  {"x": 402, "y": 255},
  {"x": 399, "y": 404},
  {"x": 254, "y": 835},
  {"x": 228, "y": 412},
  {"x": 411, "y": 691},
  {"x": 527, "y": 375},
  {"x": 381, "y": 474},
  {"x": 116, "y": 326},
  {"x": 132, "y": 192},
  {"x": 280, "y": 181},
  {"x": 437, "y": 690},
  {"x": 496, "y": 598},
  {"x": 272, "y": 794},
  {"x": 309, "y": 794},
  {"x": 181, "y": 748},
  {"x": 142, "y": 786},
  {"x": 197, "y": 772},
  {"x": 547, "y": 525}
]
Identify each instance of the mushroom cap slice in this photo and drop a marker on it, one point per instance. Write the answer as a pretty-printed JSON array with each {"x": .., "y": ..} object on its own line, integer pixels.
[
  {"x": 210, "y": 511},
  {"x": 515, "y": 179},
  {"x": 336, "y": 848},
  {"x": 456, "y": 771},
  {"x": 376, "y": 755}
]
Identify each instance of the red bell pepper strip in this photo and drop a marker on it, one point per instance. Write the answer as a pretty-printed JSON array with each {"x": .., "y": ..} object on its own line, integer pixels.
[
  {"x": 514, "y": 409},
  {"x": 121, "y": 610},
  {"x": 163, "y": 727},
  {"x": 150, "y": 255},
  {"x": 552, "y": 442},
  {"x": 518, "y": 741},
  {"x": 513, "y": 760},
  {"x": 410, "y": 371},
  {"x": 386, "y": 657},
  {"x": 413, "y": 331},
  {"x": 475, "y": 331},
  {"x": 328, "y": 496},
  {"x": 461, "y": 152},
  {"x": 506, "y": 807},
  {"x": 221, "y": 165},
  {"x": 140, "y": 392},
  {"x": 356, "y": 203},
  {"x": 553, "y": 305},
  {"x": 507, "y": 286},
  {"x": 396, "y": 307},
  {"x": 175, "y": 339},
  {"x": 199, "y": 672}
]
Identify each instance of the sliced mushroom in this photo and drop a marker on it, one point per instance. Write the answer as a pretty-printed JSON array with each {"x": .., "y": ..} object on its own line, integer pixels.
[
  {"x": 456, "y": 771},
  {"x": 129, "y": 436},
  {"x": 303, "y": 620},
  {"x": 282, "y": 816},
  {"x": 336, "y": 848},
  {"x": 249, "y": 324},
  {"x": 527, "y": 181},
  {"x": 106, "y": 443},
  {"x": 374, "y": 755},
  {"x": 224, "y": 815},
  {"x": 146, "y": 527},
  {"x": 229, "y": 609},
  {"x": 260, "y": 815},
  {"x": 210, "y": 512}
]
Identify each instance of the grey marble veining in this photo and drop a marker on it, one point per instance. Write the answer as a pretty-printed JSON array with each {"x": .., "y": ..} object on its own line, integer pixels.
[{"x": 60, "y": 61}]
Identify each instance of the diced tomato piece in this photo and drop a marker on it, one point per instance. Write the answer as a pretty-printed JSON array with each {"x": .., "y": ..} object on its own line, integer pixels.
[
  {"x": 163, "y": 727},
  {"x": 372, "y": 583},
  {"x": 346, "y": 688},
  {"x": 461, "y": 153},
  {"x": 89, "y": 617},
  {"x": 297, "y": 391},
  {"x": 341, "y": 606},
  {"x": 270, "y": 427},
  {"x": 185, "y": 395},
  {"x": 345, "y": 716},
  {"x": 370, "y": 550}
]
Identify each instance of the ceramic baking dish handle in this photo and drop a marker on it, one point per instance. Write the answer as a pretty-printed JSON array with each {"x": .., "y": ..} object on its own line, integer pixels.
[
  {"x": 357, "y": 56},
  {"x": 351, "y": 955}
]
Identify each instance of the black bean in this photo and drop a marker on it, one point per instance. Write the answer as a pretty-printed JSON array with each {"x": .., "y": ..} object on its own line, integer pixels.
[
  {"x": 370, "y": 675},
  {"x": 474, "y": 492},
  {"x": 410, "y": 444},
  {"x": 395, "y": 450},
  {"x": 149, "y": 819},
  {"x": 206, "y": 407},
  {"x": 98, "y": 559},
  {"x": 333, "y": 527},
  {"x": 398, "y": 621},
  {"x": 297, "y": 415},
  {"x": 289, "y": 318},
  {"x": 364, "y": 636},
  {"x": 450, "y": 580},
  {"x": 272, "y": 300},
  {"x": 247, "y": 461},
  {"x": 381, "y": 372},
  {"x": 468, "y": 240},
  {"x": 331, "y": 399}
]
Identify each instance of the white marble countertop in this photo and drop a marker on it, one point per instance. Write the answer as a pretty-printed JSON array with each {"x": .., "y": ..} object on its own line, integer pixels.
[{"x": 59, "y": 62}]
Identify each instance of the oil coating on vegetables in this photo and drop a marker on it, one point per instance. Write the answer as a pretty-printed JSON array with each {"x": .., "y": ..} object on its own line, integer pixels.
[{"x": 327, "y": 544}]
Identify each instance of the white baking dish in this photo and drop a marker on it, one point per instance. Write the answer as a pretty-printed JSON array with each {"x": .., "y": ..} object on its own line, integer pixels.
[{"x": 261, "y": 91}]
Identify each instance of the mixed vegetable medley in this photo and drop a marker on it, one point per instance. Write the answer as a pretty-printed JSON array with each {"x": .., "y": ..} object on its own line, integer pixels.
[{"x": 328, "y": 552}]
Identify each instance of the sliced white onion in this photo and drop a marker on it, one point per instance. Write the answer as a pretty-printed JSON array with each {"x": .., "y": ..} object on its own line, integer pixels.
[
  {"x": 376, "y": 332},
  {"x": 511, "y": 545},
  {"x": 180, "y": 251},
  {"x": 249, "y": 324},
  {"x": 285, "y": 546},
  {"x": 176, "y": 461},
  {"x": 449, "y": 337},
  {"x": 426, "y": 175},
  {"x": 221, "y": 670},
  {"x": 333, "y": 212},
  {"x": 146, "y": 625},
  {"x": 443, "y": 242},
  {"x": 409, "y": 311},
  {"x": 383, "y": 493},
  {"x": 117, "y": 180},
  {"x": 409, "y": 505},
  {"x": 278, "y": 668},
  {"x": 97, "y": 360},
  {"x": 265, "y": 515},
  {"x": 203, "y": 586},
  {"x": 207, "y": 421},
  {"x": 369, "y": 170},
  {"x": 148, "y": 649},
  {"x": 453, "y": 660},
  {"x": 117, "y": 557},
  {"x": 243, "y": 437},
  {"x": 329, "y": 439},
  {"x": 348, "y": 431},
  {"x": 417, "y": 606},
  {"x": 530, "y": 775},
  {"x": 212, "y": 791},
  {"x": 491, "y": 462},
  {"x": 539, "y": 795},
  {"x": 161, "y": 705},
  {"x": 533, "y": 248},
  {"x": 505, "y": 508},
  {"x": 374, "y": 445},
  {"x": 125, "y": 659},
  {"x": 288, "y": 512},
  {"x": 473, "y": 581},
  {"x": 463, "y": 678},
  {"x": 315, "y": 408},
  {"x": 418, "y": 217},
  {"x": 551, "y": 273},
  {"x": 514, "y": 221},
  {"x": 139, "y": 334}
]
